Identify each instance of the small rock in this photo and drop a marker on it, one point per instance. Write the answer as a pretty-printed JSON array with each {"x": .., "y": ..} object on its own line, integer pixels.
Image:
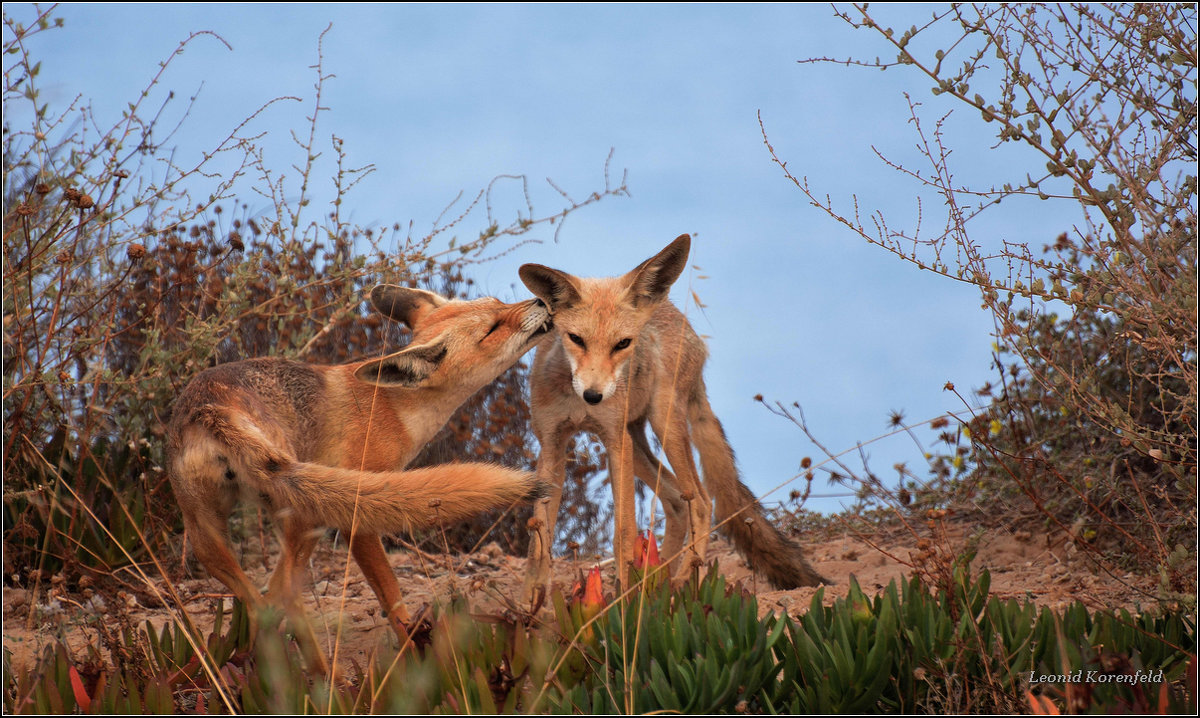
[{"x": 16, "y": 597}]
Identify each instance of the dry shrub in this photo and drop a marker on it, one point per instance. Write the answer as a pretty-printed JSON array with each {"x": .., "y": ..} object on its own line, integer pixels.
[
  {"x": 125, "y": 274},
  {"x": 1090, "y": 423}
]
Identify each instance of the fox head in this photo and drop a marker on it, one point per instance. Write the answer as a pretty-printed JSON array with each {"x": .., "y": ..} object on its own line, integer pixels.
[
  {"x": 600, "y": 321},
  {"x": 457, "y": 345}
]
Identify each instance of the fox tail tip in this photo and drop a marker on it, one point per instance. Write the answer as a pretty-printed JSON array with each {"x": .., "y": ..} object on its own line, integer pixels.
[{"x": 538, "y": 489}]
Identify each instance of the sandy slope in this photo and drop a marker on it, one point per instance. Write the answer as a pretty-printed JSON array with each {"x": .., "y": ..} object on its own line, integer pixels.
[{"x": 1047, "y": 569}]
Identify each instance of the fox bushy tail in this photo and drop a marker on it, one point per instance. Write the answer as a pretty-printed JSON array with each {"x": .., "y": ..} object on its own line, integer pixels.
[
  {"x": 738, "y": 512},
  {"x": 392, "y": 501},
  {"x": 376, "y": 502}
]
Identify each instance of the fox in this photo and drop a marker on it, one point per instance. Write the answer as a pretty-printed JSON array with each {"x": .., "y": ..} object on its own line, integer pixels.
[
  {"x": 326, "y": 446},
  {"x": 621, "y": 355}
]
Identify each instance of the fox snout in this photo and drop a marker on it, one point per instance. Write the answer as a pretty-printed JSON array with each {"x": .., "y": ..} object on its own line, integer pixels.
[
  {"x": 592, "y": 388},
  {"x": 536, "y": 320}
]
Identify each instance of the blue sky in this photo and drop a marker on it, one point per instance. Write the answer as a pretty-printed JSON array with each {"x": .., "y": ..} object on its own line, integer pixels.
[{"x": 442, "y": 98}]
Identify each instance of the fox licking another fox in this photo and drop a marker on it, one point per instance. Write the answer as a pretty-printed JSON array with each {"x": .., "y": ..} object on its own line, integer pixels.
[{"x": 327, "y": 446}]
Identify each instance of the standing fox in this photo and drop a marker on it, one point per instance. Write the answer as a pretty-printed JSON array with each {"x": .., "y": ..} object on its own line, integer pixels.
[
  {"x": 621, "y": 354},
  {"x": 326, "y": 446}
]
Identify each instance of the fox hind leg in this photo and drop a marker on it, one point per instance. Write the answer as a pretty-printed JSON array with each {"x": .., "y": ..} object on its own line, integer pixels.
[
  {"x": 211, "y": 546},
  {"x": 672, "y": 428},
  {"x": 665, "y": 486},
  {"x": 206, "y": 488},
  {"x": 551, "y": 470},
  {"x": 298, "y": 540},
  {"x": 368, "y": 552},
  {"x": 621, "y": 453}
]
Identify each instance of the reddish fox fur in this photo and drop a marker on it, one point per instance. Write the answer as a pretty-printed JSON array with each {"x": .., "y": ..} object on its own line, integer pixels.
[
  {"x": 327, "y": 446},
  {"x": 622, "y": 355}
]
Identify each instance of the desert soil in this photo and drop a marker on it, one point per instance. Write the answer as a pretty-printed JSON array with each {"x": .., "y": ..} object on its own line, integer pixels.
[{"x": 1045, "y": 568}]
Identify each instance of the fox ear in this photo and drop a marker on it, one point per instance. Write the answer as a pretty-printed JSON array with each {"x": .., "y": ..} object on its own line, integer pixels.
[
  {"x": 410, "y": 366},
  {"x": 557, "y": 289},
  {"x": 405, "y": 304},
  {"x": 651, "y": 280}
]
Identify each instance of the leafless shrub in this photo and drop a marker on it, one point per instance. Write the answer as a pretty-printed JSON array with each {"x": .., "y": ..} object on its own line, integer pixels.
[
  {"x": 126, "y": 273},
  {"x": 1091, "y": 421}
]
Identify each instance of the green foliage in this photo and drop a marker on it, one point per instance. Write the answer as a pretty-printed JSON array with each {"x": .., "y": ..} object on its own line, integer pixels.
[
  {"x": 910, "y": 650},
  {"x": 698, "y": 649},
  {"x": 153, "y": 669},
  {"x": 468, "y": 666},
  {"x": 84, "y": 512},
  {"x": 704, "y": 650},
  {"x": 841, "y": 658}
]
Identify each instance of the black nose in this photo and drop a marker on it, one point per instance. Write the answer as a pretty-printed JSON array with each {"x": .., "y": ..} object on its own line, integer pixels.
[
  {"x": 592, "y": 396},
  {"x": 537, "y": 302}
]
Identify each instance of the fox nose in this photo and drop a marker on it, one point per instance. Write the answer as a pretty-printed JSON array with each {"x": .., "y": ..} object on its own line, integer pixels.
[
  {"x": 592, "y": 396},
  {"x": 537, "y": 302}
]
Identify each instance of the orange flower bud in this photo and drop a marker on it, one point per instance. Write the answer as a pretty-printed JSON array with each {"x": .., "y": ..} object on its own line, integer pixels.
[
  {"x": 593, "y": 593},
  {"x": 645, "y": 551}
]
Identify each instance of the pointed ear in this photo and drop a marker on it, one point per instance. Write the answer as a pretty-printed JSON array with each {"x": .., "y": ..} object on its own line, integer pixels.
[
  {"x": 557, "y": 289},
  {"x": 651, "y": 280},
  {"x": 410, "y": 366},
  {"x": 404, "y": 304}
]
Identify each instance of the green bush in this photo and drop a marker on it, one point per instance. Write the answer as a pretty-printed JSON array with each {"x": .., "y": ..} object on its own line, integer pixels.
[{"x": 701, "y": 648}]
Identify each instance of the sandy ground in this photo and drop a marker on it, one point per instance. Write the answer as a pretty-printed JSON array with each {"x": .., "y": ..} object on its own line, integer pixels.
[{"x": 1045, "y": 568}]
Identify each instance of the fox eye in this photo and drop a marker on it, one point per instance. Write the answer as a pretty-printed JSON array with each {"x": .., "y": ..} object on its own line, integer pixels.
[
  {"x": 621, "y": 344},
  {"x": 494, "y": 328},
  {"x": 578, "y": 340}
]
